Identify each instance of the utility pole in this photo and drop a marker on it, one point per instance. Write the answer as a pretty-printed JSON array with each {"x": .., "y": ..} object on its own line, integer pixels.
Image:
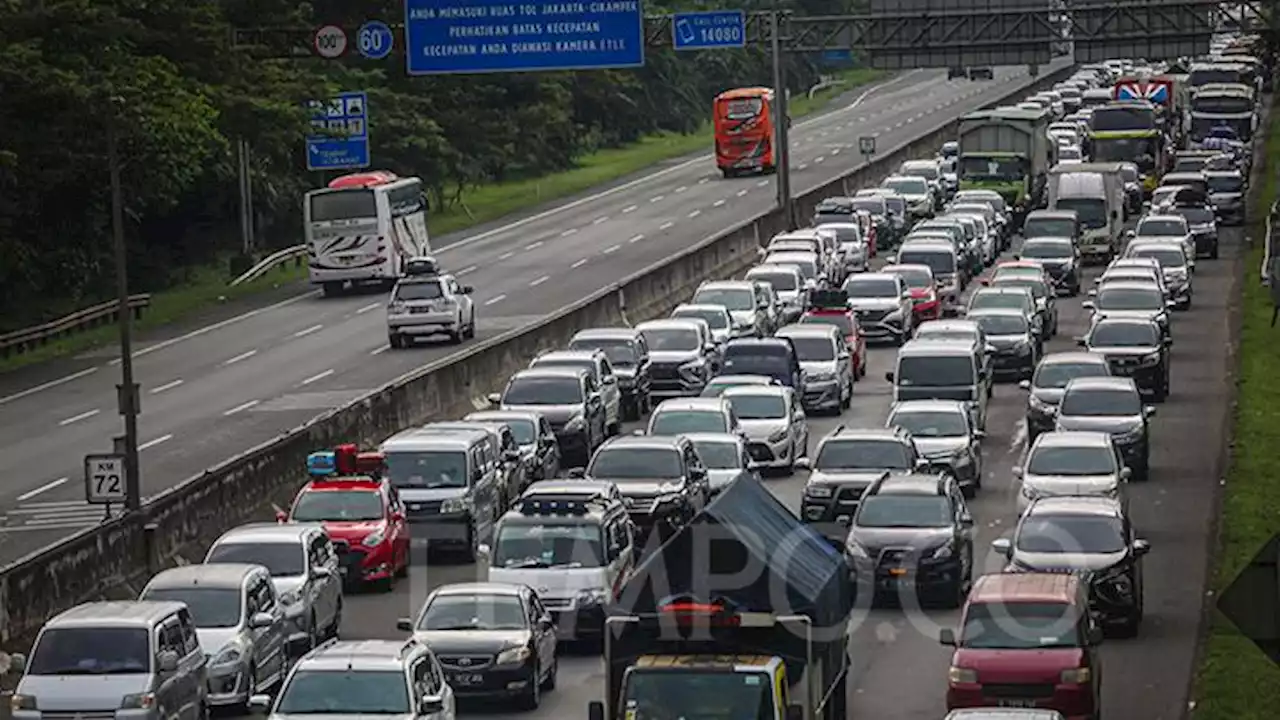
[
  {"x": 127, "y": 390},
  {"x": 782, "y": 148}
]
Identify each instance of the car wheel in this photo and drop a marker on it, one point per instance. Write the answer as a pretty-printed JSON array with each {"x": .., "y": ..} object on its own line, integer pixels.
[
  {"x": 469, "y": 552},
  {"x": 550, "y": 682},
  {"x": 533, "y": 696},
  {"x": 396, "y": 341},
  {"x": 791, "y": 459},
  {"x": 847, "y": 401}
]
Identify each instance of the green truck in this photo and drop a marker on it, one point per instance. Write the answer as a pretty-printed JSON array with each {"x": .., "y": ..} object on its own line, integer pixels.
[{"x": 1007, "y": 150}]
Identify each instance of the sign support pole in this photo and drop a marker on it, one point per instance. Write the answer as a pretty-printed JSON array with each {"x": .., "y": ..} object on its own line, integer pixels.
[
  {"x": 128, "y": 390},
  {"x": 782, "y": 149}
]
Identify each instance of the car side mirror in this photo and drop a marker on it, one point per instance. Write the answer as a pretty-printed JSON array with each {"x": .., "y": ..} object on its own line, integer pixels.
[
  {"x": 282, "y": 516},
  {"x": 638, "y": 432},
  {"x": 1016, "y": 471},
  {"x": 1003, "y": 545},
  {"x": 397, "y": 516},
  {"x": 979, "y": 434},
  {"x": 259, "y": 704},
  {"x": 405, "y": 624},
  {"x": 17, "y": 663},
  {"x": 577, "y": 473},
  {"x": 167, "y": 661},
  {"x": 511, "y": 456},
  {"x": 947, "y": 637},
  {"x": 1094, "y": 292},
  {"x": 261, "y": 620},
  {"x": 321, "y": 571},
  {"x": 889, "y": 376},
  {"x": 546, "y": 623},
  {"x": 892, "y": 260},
  {"x": 1149, "y": 411},
  {"x": 1024, "y": 384},
  {"x": 482, "y": 551},
  {"x": 709, "y": 347},
  {"x": 804, "y": 464},
  {"x": 430, "y": 704},
  {"x": 1168, "y": 342},
  {"x": 1095, "y": 636},
  {"x": 494, "y": 398},
  {"x": 966, "y": 520},
  {"x": 922, "y": 464},
  {"x": 755, "y": 466},
  {"x": 467, "y": 289},
  {"x": 1141, "y": 547},
  {"x": 1126, "y": 474},
  {"x": 1130, "y": 234},
  {"x": 610, "y": 379},
  {"x": 905, "y": 296},
  {"x": 595, "y": 710},
  {"x": 1017, "y": 257},
  {"x": 1088, "y": 305},
  {"x": 1082, "y": 342}
]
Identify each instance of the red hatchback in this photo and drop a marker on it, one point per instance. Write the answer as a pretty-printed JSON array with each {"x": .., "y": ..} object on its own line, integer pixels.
[
  {"x": 1027, "y": 641},
  {"x": 831, "y": 307},
  {"x": 926, "y": 301},
  {"x": 366, "y": 523}
]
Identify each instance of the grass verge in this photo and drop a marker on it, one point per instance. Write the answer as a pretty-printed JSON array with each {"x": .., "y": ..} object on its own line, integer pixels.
[
  {"x": 479, "y": 205},
  {"x": 1235, "y": 681}
]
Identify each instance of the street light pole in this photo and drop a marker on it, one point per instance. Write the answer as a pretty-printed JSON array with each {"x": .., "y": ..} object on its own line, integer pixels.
[
  {"x": 127, "y": 390},
  {"x": 782, "y": 121}
]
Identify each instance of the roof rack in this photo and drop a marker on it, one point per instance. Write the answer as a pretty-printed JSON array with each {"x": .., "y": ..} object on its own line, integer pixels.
[
  {"x": 422, "y": 266},
  {"x": 563, "y": 503},
  {"x": 829, "y": 299}
]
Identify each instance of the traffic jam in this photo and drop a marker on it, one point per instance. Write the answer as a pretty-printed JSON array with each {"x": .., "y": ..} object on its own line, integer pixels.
[{"x": 587, "y": 487}]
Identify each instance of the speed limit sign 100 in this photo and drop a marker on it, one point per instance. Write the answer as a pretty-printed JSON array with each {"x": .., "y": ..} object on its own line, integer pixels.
[
  {"x": 104, "y": 481},
  {"x": 330, "y": 41}
]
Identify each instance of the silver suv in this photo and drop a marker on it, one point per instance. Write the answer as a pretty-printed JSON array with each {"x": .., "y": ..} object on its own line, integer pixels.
[
  {"x": 424, "y": 303},
  {"x": 1073, "y": 463}
]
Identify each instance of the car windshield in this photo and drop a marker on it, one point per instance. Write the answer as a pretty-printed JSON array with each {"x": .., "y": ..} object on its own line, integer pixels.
[
  {"x": 672, "y": 339},
  {"x": 838, "y": 455},
  {"x": 750, "y": 406},
  {"x": 345, "y": 692},
  {"x": 1090, "y": 460},
  {"x": 1123, "y": 334},
  {"x": 473, "y": 612},
  {"x": 629, "y": 463},
  {"x": 896, "y": 203},
  {"x": 1196, "y": 216},
  {"x": 1019, "y": 626},
  {"x": 1070, "y": 533},
  {"x": 986, "y": 198},
  {"x": 930, "y": 423},
  {"x": 1002, "y": 324},
  {"x": 1190, "y": 164},
  {"x": 875, "y": 206},
  {"x": 338, "y": 506},
  {"x": 939, "y": 261},
  {"x": 1129, "y": 299},
  {"x": 906, "y": 185},
  {"x": 91, "y": 651},
  {"x": 716, "y": 319},
  {"x": 410, "y": 291},
  {"x": 841, "y": 321},
  {"x": 621, "y": 353},
  {"x": 557, "y": 545},
  {"x": 904, "y": 511},
  {"x": 1041, "y": 250},
  {"x": 986, "y": 299},
  {"x": 543, "y": 391},
  {"x": 1160, "y": 227},
  {"x": 1035, "y": 285},
  {"x": 928, "y": 172},
  {"x": 1097, "y": 402},
  {"x": 1168, "y": 257},
  {"x": 698, "y": 694},
  {"x": 1226, "y": 183},
  {"x": 716, "y": 386},
  {"x": 915, "y": 278},
  {"x": 719, "y": 455},
  {"x": 781, "y": 281},
  {"x": 804, "y": 264},
  {"x": 994, "y": 169},
  {"x": 731, "y": 299},
  {"x": 1056, "y": 375},
  {"x": 934, "y": 331},
  {"x": 870, "y": 288},
  {"x": 683, "y": 422},
  {"x": 281, "y": 559},
  {"x": 814, "y": 349},
  {"x": 525, "y": 432},
  {"x": 427, "y": 470},
  {"x": 752, "y": 359},
  {"x": 210, "y": 607},
  {"x": 935, "y": 371}
]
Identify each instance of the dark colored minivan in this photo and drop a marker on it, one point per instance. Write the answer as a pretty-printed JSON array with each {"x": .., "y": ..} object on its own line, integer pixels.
[{"x": 773, "y": 357}]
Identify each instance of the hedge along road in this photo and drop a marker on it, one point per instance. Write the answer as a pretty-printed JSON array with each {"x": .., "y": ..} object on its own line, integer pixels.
[
  {"x": 900, "y": 670},
  {"x": 215, "y": 392}
]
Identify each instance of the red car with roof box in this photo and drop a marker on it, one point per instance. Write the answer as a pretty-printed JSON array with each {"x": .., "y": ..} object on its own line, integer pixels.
[
  {"x": 831, "y": 307},
  {"x": 1027, "y": 640}
]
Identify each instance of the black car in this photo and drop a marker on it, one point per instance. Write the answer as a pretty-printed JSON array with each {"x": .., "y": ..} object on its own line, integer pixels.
[
  {"x": 1089, "y": 536},
  {"x": 834, "y": 210},
  {"x": 912, "y": 536},
  {"x": 1060, "y": 259},
  {"x": 1044, "y": 389},
  {"x": 568, "y": 399},
  {"x": 492, "y": 640},
  {"x": 1111, "y": 405},
  {"x": 629, "y": 354},
  {"x": 534, "y": 436},
  {"x": 1136, "y": 348},
  {"x": 773, "y": 357},
  {"x": 682, "y": 356},
  {"x": 661, "y": 478},
  {"x": 1015, "y": 339}
]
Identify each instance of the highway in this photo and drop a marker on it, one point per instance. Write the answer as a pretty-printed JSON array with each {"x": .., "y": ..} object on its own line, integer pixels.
[
  {"x": 900, "y": 670},
  {"x": 211, "y": 392}
]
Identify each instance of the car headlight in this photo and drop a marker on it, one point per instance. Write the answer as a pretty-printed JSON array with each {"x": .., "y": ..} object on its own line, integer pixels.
[
  {"x": 1151, "y": 357},
  {"x": 856, "y": 550},
  {"x": 22, "y": 702},
  {"x": 396, "y": 308},
  {"x": 1029, "y": 492},
  {"x": 454, "y": 505},
  {"x": 821, "y": 376},
  {"x": 895, "y": 314},
  {"x": 962, "y": 676},
  {"x": 137, "y": 701},
  {"x": 693, "y": 368},
  {"x": 374, "y": 538},
  {"x": 942, "y": 552},
  {"x": 513, "y": 656},
  {"x": 592, "y": 596},
  {"x": 960, "y": 457},
  {"x": 290, "y": 598},
  {"x": 228, "y": 656},
  {"x": 778, "y": 436},
  {"x": 818, "y": 491},
  {"x": 668, "y": 498},
  {"x": 1037, "y": 404},
  {"x": 576, "y": 424},
  {"x": 1133, "y": 434}
]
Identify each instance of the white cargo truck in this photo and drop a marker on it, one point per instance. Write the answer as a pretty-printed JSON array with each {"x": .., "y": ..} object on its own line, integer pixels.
[{"x": 1096, "y": 192}]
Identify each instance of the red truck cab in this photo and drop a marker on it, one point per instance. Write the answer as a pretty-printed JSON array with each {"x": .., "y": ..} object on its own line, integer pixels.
[
  {"x": 831, "y": 307},
  {"x": 1026, "y": 640}
]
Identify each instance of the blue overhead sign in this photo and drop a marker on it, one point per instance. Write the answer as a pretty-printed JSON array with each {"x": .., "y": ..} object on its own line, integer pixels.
[
  {"x": 706, "y": 30},
  {"x": 375, "y": 40},
  {"x": 339, "y": 138},
  {"x": 484, "y": 36}
]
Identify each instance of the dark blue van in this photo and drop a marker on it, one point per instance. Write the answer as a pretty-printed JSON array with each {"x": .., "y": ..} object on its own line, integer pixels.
[{"x": 773, "y": 357}]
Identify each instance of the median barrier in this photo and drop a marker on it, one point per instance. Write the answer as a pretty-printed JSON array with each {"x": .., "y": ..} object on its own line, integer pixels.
[{"x": 115, "y": 559}]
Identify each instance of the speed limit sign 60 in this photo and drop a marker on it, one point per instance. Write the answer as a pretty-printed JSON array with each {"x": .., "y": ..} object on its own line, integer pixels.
[{"x": 330, "y": 41}]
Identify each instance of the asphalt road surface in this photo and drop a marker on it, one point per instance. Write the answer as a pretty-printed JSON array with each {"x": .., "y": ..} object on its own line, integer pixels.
[
  {"x": 900, "y": 670},
  {"x": 212, "y": 392}
]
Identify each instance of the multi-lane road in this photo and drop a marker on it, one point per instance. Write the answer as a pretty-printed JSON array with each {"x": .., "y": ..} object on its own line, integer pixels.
[
  {"x": 211, "y": 392},
  {"x": 900, "y": 670}
]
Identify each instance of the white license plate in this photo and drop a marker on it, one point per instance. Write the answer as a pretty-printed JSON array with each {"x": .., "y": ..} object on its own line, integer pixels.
[
  {"x": 464, "y": 679},
  {"x": 1018, "y": 703}
]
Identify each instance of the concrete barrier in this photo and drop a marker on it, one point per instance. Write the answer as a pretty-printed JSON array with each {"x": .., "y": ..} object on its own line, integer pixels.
[{"x": 115, "y": 559}]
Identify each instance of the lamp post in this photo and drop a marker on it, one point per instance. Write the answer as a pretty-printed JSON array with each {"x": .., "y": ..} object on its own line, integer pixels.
[
  {"x": 127, "y": 390},
  {"x": 782, "y": 147}
]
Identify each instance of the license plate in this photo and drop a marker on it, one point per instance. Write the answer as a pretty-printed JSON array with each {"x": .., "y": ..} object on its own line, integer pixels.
[
  {"x": 465, "y": 679},
  {"x": 1016, "y": 703},
  {"x": 898, "y": 572}
]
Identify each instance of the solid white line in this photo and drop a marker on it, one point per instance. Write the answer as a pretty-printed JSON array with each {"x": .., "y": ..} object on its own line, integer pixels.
[
  {"x": 78, "y": 418},
  {"x": 742, "y": 192},
  {"x": 241, "y": 356},
  {"x": 240, "y": 408},
  {"x": 533, "y": 245},
  {"x": 718, "y": 203},
  {"x": 666, "y": 225},
  {"x": 152, "y": 443},
  {"x": 539, "y": 281},
  {"x": 682, "y": 188},
  {"x": 43, "y": 488},
  {"x": 367, "y": 308},
  {"x": 695, "y": 214},
  {"x": 381, "y": 350},
  {"x": 50, "y": 384},
  {"x": 635, "y": 239},
  {"x": 579, "y": 264},
  {"x": 307, "y": 331},
  {"x": 166, "y": 386},
  {"x": 629, "y": 208},
  {"x": 568, "y": 232},
  {"x": 318, "y": 377},
  {"x": 506, "y": 256},
  {"x": 466, "y": 270},
  {"x": 611, "y": 250},
  {"x": 495, "y": 300}
]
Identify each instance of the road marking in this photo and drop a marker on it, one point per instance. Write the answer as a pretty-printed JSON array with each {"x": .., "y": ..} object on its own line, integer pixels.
[
  {"x": 78, "y": 418},
  {"x": 682, "y": 188},
  {"x": 819, "y": 159},
  {"x": 762, "y": 183},
  {"x": 602, "y": 218},
  {"x": 611, "y": 249},
  {"x": 656, "y": 198},
  {"x": 629, "y": 208},
  {"x": 910, "y": 120},
  {"x": 695, "y": 214},
  {"x": 241, "y": 356},
  {"x": 568, "y": 232},
  {"x": 43, "y": 488},
  {"x": 166, "y": 386},
  {"x": 533, "y": 246},
  {"x": 318, "y": 377},
  {"x": 50, "y": 384},
  {"x": 240, "y": 408},
  {"x": 703, "y": 181},
  {"x": 802, "y": 166},
  {"x": 381, "y": 350},
  {"x": 579, "y": 264},
  {"x": 666, "y": 225},
  {"x": 367, "y": 308},
  {"x": 506, "y": 256},
  {"x": 465, "y": 270},
  {"x": 495, "y": 300},
  {"x": 634, "y": 240},
  {"x": 539, "y": 281},
  {"x": 307, "y": 331},
  {"x": 152, "y": 443},
  {"x": 719, "y": 203},
  {"x": 742, "y": 192},
  {"x": 835, "y": 151}
]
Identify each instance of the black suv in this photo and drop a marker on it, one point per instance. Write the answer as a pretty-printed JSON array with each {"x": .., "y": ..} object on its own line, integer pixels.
[
  {"x": 1135, "y": 348},
  {"x": 661, "y": 478},
  {"x": 568, "y": 399},
  {"x": 1089, "y": 536},
  {"x": 629, "y": 354},
  {"x": 913, "y": 533}
]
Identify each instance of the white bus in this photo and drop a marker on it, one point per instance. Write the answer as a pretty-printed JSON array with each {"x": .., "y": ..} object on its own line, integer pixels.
[{"x": 363, "y": 227}]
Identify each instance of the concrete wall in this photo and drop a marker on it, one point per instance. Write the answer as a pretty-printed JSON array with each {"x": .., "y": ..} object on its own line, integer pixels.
[{"x": 114, "y": 560}]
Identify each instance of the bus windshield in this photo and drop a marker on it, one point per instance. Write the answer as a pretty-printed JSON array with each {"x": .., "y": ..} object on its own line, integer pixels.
[{"x": 343, "y": 205}]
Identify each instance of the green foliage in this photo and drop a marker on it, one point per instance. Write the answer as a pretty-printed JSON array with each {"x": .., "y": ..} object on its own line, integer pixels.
[{"x": 162, "y": 72}]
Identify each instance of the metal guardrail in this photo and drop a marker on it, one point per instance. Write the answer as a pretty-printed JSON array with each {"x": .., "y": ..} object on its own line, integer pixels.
[
  {"x": 279, "y": 258},
  {"x": 20, "y": 341}
]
